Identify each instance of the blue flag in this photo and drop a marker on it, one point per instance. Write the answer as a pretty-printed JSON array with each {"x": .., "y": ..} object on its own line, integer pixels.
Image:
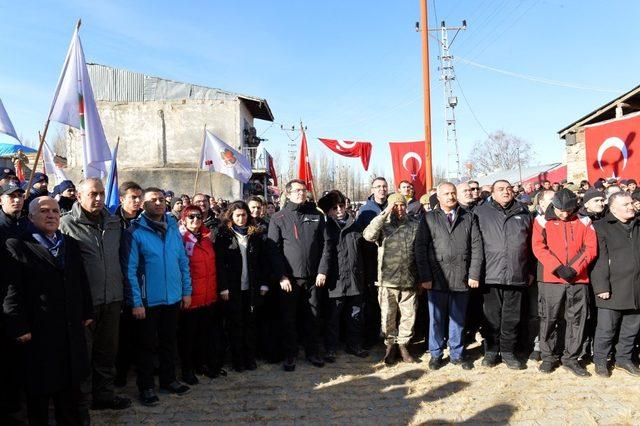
[{"x": 113, "y": 196}]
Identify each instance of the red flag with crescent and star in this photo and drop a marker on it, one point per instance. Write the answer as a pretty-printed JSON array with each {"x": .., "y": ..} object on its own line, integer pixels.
[
  {"x": 408, "y": 163},
  {"x": 304, "y": 166},
  {"x": 611, "y": 148},
  {"x": 350, "y": 149}
]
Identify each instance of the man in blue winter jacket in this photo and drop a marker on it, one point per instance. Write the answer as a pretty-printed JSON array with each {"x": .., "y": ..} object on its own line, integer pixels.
[{"x": 156, "y": 269}]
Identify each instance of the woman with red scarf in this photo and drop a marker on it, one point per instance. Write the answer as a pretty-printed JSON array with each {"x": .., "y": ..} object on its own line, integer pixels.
[{"x": 200, "y": 326}]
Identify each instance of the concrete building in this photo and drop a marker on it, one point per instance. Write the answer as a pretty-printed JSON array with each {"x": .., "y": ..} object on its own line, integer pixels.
[
  {"x": 573, "y": 134},
  {"x": 161, "y": 124}
]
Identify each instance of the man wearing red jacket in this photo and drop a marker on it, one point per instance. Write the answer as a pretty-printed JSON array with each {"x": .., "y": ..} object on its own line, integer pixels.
[{"x": 565, "y": 245}]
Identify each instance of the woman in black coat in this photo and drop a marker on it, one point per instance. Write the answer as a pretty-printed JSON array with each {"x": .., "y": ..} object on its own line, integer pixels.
[
  {"x": 241, "y": 280},
  {"x": 47, "y": 307}
]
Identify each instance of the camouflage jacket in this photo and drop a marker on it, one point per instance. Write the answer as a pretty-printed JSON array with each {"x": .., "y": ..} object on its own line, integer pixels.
[{"x": 396, "y": 261}]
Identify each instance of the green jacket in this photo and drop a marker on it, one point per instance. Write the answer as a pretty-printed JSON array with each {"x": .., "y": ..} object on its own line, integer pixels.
[
  {"x": 99, "y": 248},
  {"x": 396, "y": 260}
]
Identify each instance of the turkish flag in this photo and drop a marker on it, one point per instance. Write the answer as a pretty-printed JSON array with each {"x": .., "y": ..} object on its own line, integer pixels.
[
  {"x": 272, "y": 171},
  {"x": 408, "y": 160},
  {"x": 350, "y": 149},
  {"x": 611, "y": 148},
  {"x": 304, "y": 167}
]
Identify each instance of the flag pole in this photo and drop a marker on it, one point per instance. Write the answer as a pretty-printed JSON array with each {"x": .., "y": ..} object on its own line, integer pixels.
[
  {"x": 38, "y": 154},
  {"x": 199, "y": 165},
  {"x": 110, "y": 178}
]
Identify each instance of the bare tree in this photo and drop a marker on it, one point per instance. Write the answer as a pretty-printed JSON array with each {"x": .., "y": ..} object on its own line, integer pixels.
[{"x": 500, "y": 151}]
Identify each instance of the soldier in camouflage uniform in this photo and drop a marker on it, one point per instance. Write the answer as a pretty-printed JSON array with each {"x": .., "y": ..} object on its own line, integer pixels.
[{"x": 394, "y": 232}]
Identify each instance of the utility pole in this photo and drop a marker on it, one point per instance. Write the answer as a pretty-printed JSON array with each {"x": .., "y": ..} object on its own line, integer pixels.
[
  {"x": 447, "y": 75},
  {"x": 423, "y": 27}
]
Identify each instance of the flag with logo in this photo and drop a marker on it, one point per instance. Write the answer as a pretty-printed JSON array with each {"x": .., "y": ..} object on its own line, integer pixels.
[
  {"x": 304, "y": 166},
  {"x": 612, "y": 148},
  {"x": 74, "y": 105},
  {"x": 408, "y": 160},
  {"x": 217, "y": 156},
  {"x": 6, "y": 126},
  {"x": 350, "y": 149}
]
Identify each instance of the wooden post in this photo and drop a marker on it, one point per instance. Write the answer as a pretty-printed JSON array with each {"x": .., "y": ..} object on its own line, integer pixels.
[
  {"x": 35, "y": 163},
  {"x": 198, "y": 165},
  {"x": 424, "y": 35}
]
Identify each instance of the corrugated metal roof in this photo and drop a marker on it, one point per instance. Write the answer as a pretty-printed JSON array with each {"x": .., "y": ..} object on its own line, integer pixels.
[{"x": 119, "y": 85}]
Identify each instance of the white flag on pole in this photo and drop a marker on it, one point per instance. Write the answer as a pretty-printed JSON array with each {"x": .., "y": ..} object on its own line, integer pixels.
[
  {"x": 219, "y": 157},
  {"x": 6, "y": 126},
  {"x": 50, "y": 165},
  {"x": 74, "y": 105}
]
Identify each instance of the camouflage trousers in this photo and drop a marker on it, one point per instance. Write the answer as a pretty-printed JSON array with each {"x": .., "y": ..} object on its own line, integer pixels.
[{"x": 393, "y": 301}]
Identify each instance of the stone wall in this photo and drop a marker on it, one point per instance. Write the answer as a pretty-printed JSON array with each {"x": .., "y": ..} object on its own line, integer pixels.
[
  {"x": 576, "y": 159},
  {"x": 160, "y": 141}
]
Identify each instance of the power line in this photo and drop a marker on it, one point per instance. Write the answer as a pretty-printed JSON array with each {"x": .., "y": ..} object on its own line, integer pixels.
[{"x": 538, "y": 79}]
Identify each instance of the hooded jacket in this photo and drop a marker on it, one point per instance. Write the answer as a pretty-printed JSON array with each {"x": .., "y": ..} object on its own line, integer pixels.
[
  {"x": 298, "y": 245},
  {"x": 396, "y": 259},
  {"x": 506, "y": 237},
  {"x": 617, "y": 269},
  {"x": 202, "y": 267},
  {"x": 99, "y": 251},
  {"x": 449, "y": 255},
  {"x": 156, "y": 267},
  {"x": 346, "y": 276},
  {"x": 558, "y": 242}
]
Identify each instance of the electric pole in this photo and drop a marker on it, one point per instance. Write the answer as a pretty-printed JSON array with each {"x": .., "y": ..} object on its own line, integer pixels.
[{"x": 447, "y": 75}]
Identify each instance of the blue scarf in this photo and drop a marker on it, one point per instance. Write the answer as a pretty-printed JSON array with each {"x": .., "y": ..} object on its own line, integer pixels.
[
  {"x": 56, "y": 249},
  {"x": 240, "y": 230}
]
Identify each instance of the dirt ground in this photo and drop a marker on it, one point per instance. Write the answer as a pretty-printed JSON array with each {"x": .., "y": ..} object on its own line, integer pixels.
[{"x": 357, "y": 391}]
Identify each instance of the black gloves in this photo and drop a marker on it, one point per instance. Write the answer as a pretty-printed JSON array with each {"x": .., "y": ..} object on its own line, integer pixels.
[{"x": 567, "y": 273}]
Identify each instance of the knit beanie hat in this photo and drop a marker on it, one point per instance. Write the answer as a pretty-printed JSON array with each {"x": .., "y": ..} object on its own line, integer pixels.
[
  {"x": 396, "y": 197},
  {"x": 590, "y": 194},
  {"x": 424, "y": 199}
]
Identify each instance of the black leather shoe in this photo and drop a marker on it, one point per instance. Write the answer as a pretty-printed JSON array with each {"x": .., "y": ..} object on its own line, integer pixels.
[
  {"x": 512, "y": 362},
  {"x": 189, "y": 378},
  {"x": 435, "y": 363},
  {"x": 464, "y": 363},
  {"x": 629, "y": 367},
  {"x": 213, "y": 373},
  {"x": 330, "y": 357},
  {"x": 576, "y": 369},
  {"x": 149, "y": 398},
  {"x": 289, "y": 364},
  {"x": 115, "y": 403},
  {"x": 547, "y": 367},
  {"x": 176, "y": 388},
  {"x": 359, "y": 352},
  {"x": 316, "y": 361},
  {"x": 391, "y": 354},
  {"x": 490, "y": 359},
  {"x": 602, "y": 370},
  {"x": 250, "y": 365}
]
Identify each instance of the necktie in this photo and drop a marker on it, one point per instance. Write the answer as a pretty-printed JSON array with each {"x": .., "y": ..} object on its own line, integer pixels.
[{"x": 450, "y": 217}]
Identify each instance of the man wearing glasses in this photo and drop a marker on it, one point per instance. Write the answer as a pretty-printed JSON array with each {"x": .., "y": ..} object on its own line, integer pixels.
[
  {"x": 375, "y": 204},
  {"x": 300, "y": 254},
  {"x": 474, "y": 187}
]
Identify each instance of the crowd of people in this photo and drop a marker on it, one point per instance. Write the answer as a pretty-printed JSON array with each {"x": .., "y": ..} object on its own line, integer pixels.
[{"x": 200, "y": 285}]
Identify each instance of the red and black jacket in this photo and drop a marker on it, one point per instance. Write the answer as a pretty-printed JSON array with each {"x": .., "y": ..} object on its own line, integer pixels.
[{"x": 556, "y": 242}]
